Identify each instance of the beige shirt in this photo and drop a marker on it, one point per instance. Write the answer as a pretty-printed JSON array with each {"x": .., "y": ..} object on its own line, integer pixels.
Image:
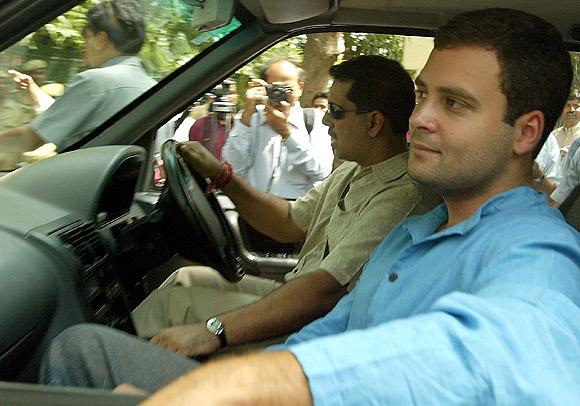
[{"x": 349, "y": 214}]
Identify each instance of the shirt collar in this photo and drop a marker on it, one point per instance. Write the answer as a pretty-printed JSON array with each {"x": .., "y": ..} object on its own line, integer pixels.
[
  {"x": 424, "y": 228},
  {"x": 123, "y": 59},
  {"x": 575, "y": 128},
  {"x": 386, "y": 171}
]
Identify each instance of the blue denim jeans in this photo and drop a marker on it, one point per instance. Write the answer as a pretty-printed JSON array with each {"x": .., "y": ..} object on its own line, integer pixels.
[{"x": 95, "y": 356}]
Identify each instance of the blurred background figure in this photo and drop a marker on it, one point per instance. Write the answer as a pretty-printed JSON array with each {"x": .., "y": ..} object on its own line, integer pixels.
[
  {"x": 34, "y": 90},
  {"x": 272, "y": 145},
  {"x": 574, "y": 147},
  {"x": 114, "y": 35},
  {"x": 570, "y": 129},
  {"x": 15, "y": 108},
  {"x": 212, "y": 130},
  {"x": 37, "y": 69},
  {"x": 569, "y": 184},
  {"x": 549, "y": 160},
  {"x": 208, "y": 120},
  {"x": 320, "y": 101}
]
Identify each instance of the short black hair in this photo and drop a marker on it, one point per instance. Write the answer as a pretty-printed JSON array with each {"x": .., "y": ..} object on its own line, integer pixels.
[
  {"x": 320, "y": 95},
  {"x": 536, "y": 73},
  {"x": 122, "y": 20},
  {"x": 379, "y": 84}
]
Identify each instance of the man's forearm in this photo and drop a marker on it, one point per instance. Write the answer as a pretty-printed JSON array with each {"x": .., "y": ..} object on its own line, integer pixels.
[
  {"x": 19, "y": 139},
  {"x": 268, "y": 214},
  {"x": 274, "y": 378},
  {"x": 285, "y": 310}
]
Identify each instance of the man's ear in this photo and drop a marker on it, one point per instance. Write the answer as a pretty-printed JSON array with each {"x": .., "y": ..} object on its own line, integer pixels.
[
  {"x": 102, "y": 39},
  {"x": 528, "y": 132},
  {"x": 376, "y": 122}
]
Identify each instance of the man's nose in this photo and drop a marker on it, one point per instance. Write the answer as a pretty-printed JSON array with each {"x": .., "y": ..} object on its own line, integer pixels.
[{"x": 424, "y": 116}]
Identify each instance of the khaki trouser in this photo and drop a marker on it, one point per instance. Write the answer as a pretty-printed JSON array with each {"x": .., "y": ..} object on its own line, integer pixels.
[{"x": 193, "y": 294}]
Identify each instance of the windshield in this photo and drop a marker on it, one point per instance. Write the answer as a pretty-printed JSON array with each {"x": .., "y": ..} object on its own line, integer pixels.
[{"x": 62, "y": 81}]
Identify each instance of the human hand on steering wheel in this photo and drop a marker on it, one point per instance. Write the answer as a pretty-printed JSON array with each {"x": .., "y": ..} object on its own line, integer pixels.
[
  {"x": 199, "y": 159},
  {"x": 194, "y": 220}
]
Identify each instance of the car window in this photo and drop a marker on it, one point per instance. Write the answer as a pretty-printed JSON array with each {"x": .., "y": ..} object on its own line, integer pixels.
[
  {"x": 212, "y": 117},
  {"x": 65, "y": 55},
  {"x": 215, "y": 115}
]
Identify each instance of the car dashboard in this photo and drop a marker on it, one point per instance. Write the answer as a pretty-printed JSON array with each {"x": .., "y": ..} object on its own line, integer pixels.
[{"x": 58, "y": 249}]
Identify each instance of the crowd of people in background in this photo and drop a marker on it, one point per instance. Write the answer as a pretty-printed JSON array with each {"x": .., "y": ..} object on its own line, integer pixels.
[
  {"x": 556, "y": 172},
  {"x": 276, "y": 145},
  {"x": 271, "y": 140},
  {"x": 26, "y": 93}
]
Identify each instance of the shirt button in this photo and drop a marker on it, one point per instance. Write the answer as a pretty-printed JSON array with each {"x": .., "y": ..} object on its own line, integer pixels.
[{"x": 393, "y": 277}]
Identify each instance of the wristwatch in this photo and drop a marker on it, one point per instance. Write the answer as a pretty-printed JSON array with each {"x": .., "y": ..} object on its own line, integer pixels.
[{"x": 215, "y": 326}]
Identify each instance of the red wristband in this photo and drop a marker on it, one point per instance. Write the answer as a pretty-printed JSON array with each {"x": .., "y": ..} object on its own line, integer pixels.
[{"x": 223, "y": 178}]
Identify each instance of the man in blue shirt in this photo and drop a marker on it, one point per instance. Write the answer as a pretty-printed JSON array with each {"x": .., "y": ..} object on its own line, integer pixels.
[{"x": 475, "y": 302}]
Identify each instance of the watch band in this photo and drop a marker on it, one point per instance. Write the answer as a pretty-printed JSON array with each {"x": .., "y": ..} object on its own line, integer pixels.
[
  {"x": 216, "y": 327},
  {"x": 222, "y": 336}
]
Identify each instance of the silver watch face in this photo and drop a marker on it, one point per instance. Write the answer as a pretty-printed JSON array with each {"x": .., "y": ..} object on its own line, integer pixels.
[{"x": 215, "y": 326}]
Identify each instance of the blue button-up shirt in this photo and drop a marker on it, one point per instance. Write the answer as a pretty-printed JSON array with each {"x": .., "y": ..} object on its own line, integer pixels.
[{"x": 484, "y": 312}]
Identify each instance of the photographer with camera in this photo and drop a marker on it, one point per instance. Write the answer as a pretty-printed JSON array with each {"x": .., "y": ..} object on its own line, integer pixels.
[
  {"x": 270, "y": 145},
  {"x": 213, "y": 129}
]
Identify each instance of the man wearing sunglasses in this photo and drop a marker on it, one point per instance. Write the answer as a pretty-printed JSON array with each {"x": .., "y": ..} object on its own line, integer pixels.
[
  {"x": 114, "y": 35},
  {"x": 341, "y": 220}
]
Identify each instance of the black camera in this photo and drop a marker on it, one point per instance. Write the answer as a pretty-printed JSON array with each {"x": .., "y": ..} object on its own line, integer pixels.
[
  {"x": 222, "y": 99},
  {"x": 223, "y": 108},
  {"x": 222, "y": 105},
  {"x": 278, "y": 93}
]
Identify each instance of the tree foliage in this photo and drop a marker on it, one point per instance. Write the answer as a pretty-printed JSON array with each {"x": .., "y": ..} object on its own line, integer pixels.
[
  {"x": 389, "y": 46},
  {"x": 170, "y": 41},
  {"x": 348, "y": 45}
]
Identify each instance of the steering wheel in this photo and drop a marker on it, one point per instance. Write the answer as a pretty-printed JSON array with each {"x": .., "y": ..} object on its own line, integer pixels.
[{"x": 193, "y": 220}]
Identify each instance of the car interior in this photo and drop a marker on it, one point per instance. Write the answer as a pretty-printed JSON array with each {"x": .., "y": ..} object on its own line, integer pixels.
[{"x": 87, "y": 234}]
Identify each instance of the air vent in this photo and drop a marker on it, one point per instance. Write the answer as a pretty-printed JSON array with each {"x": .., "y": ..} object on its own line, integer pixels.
[{"x": 84, "y": 241}]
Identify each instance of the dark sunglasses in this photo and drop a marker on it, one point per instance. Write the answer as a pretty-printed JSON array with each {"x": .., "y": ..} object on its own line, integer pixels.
[{"x": 338, "y": 113}]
